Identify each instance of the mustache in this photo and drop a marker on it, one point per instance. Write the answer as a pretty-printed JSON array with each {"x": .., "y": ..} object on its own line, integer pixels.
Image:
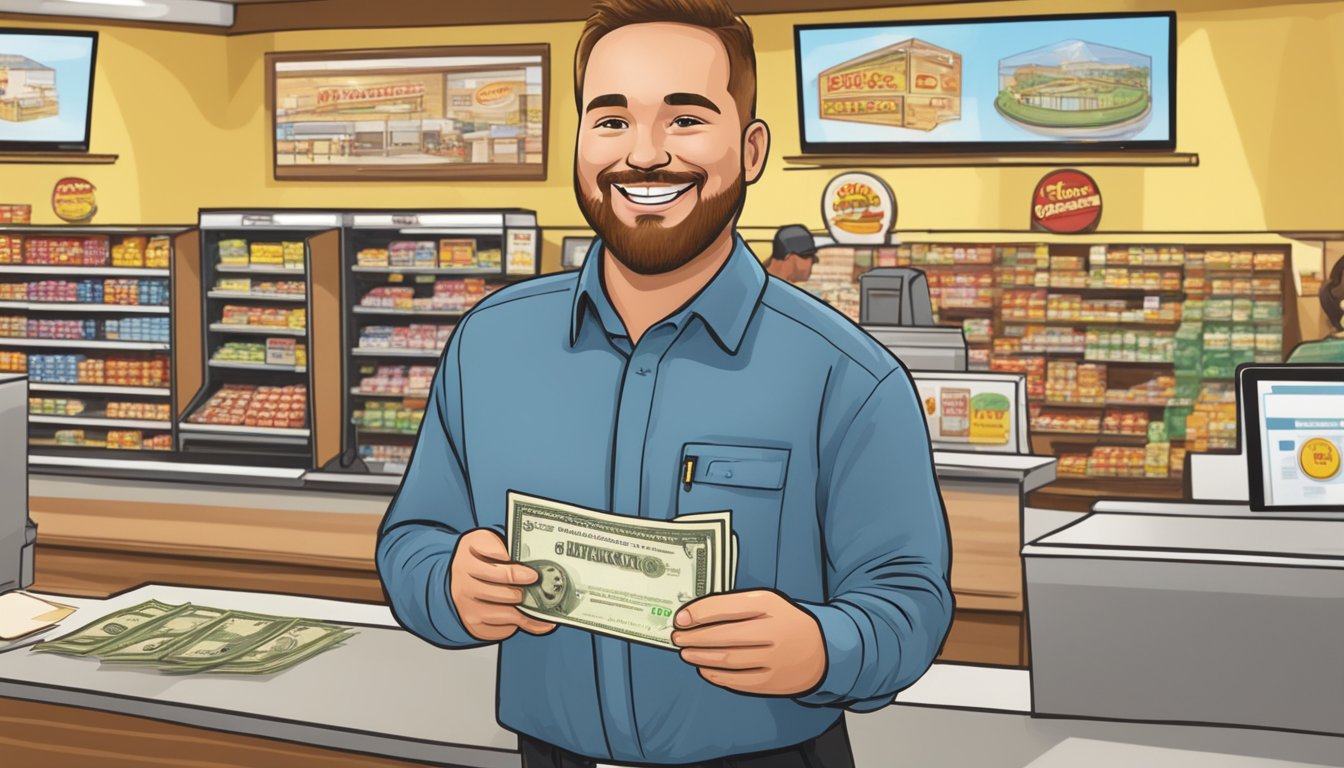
[{"x": 606, "y": 178}]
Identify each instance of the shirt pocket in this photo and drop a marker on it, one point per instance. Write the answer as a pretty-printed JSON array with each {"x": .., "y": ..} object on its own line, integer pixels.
[{"x": 749, "y": 482}]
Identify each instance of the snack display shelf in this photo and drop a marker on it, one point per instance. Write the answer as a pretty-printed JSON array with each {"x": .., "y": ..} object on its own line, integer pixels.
[
  {"x": 258, "y": 366},
  {"x": 258, "y": 270},
  {"x": 99, "y": 389},
  {"x": 232, "y": 429},
  {"x": 140, "y": 346},
  {"x": 1170, "y": 345},
  {"x": 258, "y": 329},
  {"x": 51, "y": 306},
  {"x": 406, "y": 312},
  {"x": 241, "y": 250},
  {"x": 408, "y": 277},
  {"x": 428, "y": 354},
  {"x": 78, "y": 271},
  {"x": 356, "y": 392},
  {"x": 93, "y": 421},
  {"x": 58, "y": 276},
  {"x": 254, "y": 296}
]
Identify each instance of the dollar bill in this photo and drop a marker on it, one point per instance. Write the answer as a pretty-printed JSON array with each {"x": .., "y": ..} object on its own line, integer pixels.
[
  {"x": 300, "y": 641},
  {"x": 223, "y": 640},
  {"x": 154, "y": 640},
  {"x": 90, "y": 637},
  {"x": 613, "y": 574}
]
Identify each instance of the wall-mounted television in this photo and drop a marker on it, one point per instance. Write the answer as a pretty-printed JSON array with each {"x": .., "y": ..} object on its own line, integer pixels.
[
  {"x": 46, "y": 89},
  {"x": 1026, "y": 84}
]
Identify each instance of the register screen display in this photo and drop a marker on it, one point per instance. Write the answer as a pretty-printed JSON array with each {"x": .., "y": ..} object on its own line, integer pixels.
[{"x": 1301, "y": 438}]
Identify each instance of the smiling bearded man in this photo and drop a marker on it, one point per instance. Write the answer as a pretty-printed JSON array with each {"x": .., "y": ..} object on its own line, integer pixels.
[{"x": 673, "y": 373}]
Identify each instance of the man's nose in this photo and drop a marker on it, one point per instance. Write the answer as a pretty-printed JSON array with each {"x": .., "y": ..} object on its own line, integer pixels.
[{"x": 647, "y": 154}]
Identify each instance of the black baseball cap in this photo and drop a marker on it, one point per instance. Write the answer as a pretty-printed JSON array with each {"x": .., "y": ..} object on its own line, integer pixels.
[{"x": 794, "y": 238}]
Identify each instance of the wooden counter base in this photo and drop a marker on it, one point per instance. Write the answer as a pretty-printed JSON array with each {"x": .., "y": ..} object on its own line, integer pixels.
[{"x": 34, "y": 733}]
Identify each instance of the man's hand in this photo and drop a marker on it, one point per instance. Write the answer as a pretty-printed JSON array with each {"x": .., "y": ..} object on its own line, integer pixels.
[
  {"x": 486, "y": 588},
  {"x": 752, "y": 642}
]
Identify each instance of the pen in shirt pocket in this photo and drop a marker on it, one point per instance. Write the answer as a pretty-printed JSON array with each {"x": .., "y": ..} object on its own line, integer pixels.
[{"x": 688, "y": 473}]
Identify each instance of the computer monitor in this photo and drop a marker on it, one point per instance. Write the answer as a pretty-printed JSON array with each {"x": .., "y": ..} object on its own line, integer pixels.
[
  {"x": 894, "y": 296},
  {"x": 1294, "y": 436}
]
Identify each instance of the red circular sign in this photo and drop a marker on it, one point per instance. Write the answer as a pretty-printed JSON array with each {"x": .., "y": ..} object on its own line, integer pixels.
[{"x": 1067, "y": 202}]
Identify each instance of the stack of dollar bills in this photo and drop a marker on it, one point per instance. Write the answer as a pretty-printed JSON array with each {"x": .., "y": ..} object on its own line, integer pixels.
[
  {"x": 195, "y": 638},
  {"x": 618, "y": 575}
]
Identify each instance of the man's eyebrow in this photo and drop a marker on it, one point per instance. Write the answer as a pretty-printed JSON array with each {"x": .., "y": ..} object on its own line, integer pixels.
[
  {"x": 607, "y": 100},
  {"x": 690, "y": 100}
]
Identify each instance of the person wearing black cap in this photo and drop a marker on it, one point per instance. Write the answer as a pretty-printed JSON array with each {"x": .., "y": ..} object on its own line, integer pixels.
[{"x": 793, "y": 254}]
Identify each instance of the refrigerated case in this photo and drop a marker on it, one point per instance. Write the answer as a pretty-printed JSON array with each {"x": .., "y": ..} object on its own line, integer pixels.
[
  {"x": 87, "y": 313},
  {"x": 246, "y": 375},
  {"x": 408, "y": 278}
]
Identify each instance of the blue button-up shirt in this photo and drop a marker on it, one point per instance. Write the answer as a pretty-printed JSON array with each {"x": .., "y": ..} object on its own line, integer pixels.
[{"x": 801, "y": 424}]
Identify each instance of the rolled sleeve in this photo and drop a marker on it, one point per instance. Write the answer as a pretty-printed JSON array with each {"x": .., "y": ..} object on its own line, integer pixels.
[{"x": 889, "y": 603}]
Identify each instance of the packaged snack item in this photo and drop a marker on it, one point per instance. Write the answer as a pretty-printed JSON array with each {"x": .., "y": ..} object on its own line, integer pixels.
[
  {"x": 459, "y": 252},
  {"x": 233, "y": 253},
  {"x": 267, "y": 254}
]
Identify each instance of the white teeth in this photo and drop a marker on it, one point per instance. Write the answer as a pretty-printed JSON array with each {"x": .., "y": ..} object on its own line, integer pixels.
[{"x": 653, "y": 195}]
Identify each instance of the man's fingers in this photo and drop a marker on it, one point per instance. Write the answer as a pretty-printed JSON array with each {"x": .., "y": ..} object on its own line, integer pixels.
[
  {"x": 488, "y": 547},
  {"x": 506, "y": 574},
  {"x": 492, "y": 633},
  {"x": 534, "y": 626},
  {"x": 737, "y": 634},
  {"x": 733, "y": 659},
  {"x": 730, "y": 606},
  {"x": 497, "y": 594}
]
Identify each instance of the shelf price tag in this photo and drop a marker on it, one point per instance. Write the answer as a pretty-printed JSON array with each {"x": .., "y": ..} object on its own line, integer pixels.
[
  {"x": 396, "y": 277},
  {"x": 424, "y": 278},
  {"x": 258, "y": 219}
]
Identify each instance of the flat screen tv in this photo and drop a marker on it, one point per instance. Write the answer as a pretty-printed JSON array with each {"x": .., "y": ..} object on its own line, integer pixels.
[
  {"x": 1026, "y": 84},
  {"x": 46, "y": 89}
]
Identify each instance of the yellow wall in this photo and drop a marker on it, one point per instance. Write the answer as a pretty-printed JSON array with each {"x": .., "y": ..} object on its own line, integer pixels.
[{"x": 1261, "y": 101}]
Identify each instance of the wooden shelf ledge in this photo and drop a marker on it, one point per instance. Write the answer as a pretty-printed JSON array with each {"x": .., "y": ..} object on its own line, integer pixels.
[
  {"x": 970, "y": 160},
  {"x": 56, "y": 158}
]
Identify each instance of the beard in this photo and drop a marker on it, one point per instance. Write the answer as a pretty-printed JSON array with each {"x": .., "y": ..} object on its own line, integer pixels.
[{"x": 649, "y": 248}]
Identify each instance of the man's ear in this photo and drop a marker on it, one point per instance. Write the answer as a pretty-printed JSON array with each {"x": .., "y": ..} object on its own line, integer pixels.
[{"x": 755, "y": 148}]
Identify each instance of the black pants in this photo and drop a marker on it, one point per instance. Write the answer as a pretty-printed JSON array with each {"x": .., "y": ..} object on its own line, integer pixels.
[{"x": 829, "y": 750}]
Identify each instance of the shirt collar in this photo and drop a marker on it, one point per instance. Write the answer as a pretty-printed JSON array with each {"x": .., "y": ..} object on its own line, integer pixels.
[{"x": 725, "y": 305}]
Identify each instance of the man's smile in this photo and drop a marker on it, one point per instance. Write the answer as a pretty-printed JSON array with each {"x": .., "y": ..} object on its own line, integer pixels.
[{"x": 652, "y": 194}]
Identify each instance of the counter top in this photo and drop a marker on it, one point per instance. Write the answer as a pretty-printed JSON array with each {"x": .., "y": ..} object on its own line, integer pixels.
[
  {"x": 423, "y": 703},
  {"x": 1256, "y": 540}
]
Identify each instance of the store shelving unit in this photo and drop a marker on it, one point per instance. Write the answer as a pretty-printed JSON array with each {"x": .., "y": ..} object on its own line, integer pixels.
[
  {"x": 400, "y": 306},
  {"x": 108, "y": 395},
  {"x": 283, "y": 343},
  {"x": 1153, "y": 330}
]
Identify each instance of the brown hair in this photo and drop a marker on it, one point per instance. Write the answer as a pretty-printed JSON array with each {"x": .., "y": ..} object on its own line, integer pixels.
[{"x": 713, "y": 15}]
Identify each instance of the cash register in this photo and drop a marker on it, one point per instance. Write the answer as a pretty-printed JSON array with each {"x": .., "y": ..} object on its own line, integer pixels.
[
  {"x": 17, "y": 532},
  {"x": 895, "y": 309}
]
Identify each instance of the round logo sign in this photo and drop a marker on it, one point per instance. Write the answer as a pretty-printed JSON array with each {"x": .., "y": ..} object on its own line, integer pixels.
[
  {"x": 73, "y": 200},
  {"x": 858, "y": 208},
  {"x": 1066, "y": 202},
  {"x": 1319, "y": 459},
  {"x": 496, "y": 94}
]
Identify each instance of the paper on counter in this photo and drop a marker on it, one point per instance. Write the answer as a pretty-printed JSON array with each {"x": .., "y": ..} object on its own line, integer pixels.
[{"x": 23, "y": 614}]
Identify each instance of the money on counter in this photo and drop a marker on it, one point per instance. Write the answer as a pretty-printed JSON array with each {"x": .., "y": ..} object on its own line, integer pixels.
[
  {"x": 192, "y": 638},
  {"x": 616, "y": 575}
]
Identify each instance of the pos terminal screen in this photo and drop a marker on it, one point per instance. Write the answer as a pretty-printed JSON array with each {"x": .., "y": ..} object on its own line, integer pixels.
[{"x": 1297, "y": 443}]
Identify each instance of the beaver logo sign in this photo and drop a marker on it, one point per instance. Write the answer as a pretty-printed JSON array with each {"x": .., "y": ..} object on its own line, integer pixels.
[
  {"x": 1066, "y": 202},
  {"x": 858, "y": 208},
  {"x": 73, "y": 200}
]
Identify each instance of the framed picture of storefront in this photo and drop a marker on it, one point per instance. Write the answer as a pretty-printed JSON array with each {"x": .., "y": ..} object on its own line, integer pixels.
[{"x": 441, "y": 113}]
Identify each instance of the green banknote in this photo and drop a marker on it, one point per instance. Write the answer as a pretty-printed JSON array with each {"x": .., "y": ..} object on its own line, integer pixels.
[
  {"x": 90, "y": 637},
  {"x": 614, "y": 574},
  {"x": 222, "y": 640},
  {"x": 151, "y": 642},
  {"x": 304, "y": 639}
]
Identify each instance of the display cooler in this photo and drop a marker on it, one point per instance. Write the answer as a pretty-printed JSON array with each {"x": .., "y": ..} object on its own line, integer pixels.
[
  {"x": 87, "y": 313},
  {"x": 408, "y": 278},
  {"x": 248, "y": 356}
]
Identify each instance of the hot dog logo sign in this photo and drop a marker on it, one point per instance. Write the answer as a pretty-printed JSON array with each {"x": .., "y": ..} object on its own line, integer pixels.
[
  {"x": 1066, "y": 202},
  {"x": 858, "y": 208},
  {"x": 73, "y": 200}
]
